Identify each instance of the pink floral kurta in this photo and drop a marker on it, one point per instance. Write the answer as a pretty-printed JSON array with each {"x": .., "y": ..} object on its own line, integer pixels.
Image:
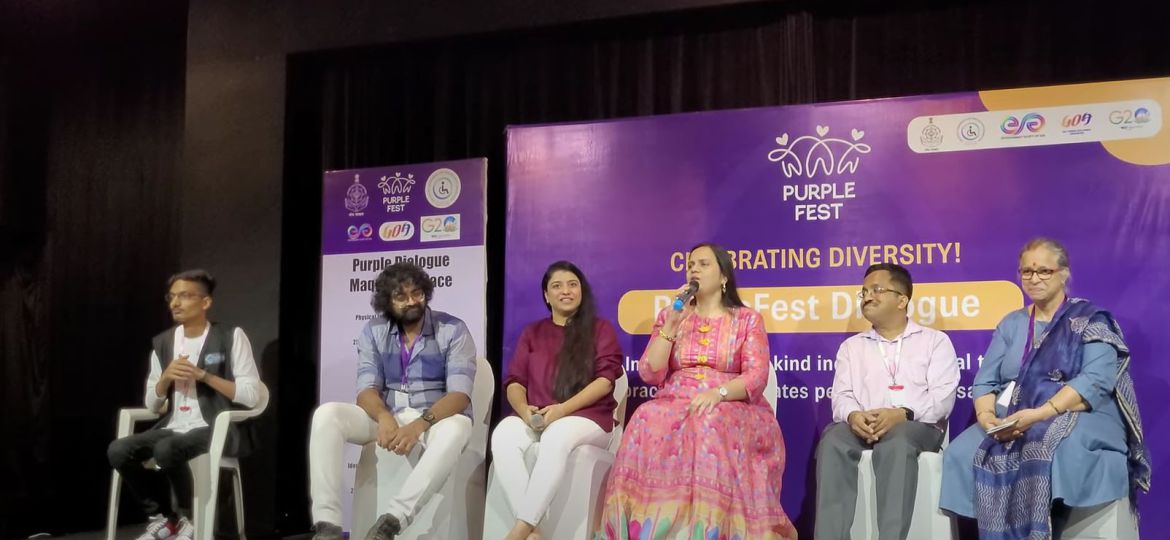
[{"x": 712, "y": 476}]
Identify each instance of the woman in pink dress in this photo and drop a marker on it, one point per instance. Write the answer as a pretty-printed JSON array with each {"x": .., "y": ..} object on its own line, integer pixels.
[{"x": 705, "y": 458}]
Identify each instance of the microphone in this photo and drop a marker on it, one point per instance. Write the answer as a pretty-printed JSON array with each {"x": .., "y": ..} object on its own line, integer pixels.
[{"x": 685, "y": 296}]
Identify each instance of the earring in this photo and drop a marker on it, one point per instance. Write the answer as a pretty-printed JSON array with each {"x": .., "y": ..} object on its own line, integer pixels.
[{"x": 724, "y": 287}]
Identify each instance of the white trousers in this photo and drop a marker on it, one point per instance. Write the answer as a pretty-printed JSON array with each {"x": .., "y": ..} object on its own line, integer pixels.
[
  {"x": 531, "y": 493},
  {"x": 335, "y": 424}
]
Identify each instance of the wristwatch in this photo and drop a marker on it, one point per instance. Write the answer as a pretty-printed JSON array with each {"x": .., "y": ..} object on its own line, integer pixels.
[
  {"x": 909, "y": 413},
  {"x": 429, "y": 417},
  {"x": 722, "y": 393}
]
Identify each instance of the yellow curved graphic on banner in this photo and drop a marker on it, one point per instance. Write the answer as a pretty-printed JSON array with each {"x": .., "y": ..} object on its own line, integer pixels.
[
  {"x": 1149, "y": 151},
  {"x": 960, "y": 305}
]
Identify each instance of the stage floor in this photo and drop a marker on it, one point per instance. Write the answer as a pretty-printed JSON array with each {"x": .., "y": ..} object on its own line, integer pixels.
[{"x": 130, "y": 532}]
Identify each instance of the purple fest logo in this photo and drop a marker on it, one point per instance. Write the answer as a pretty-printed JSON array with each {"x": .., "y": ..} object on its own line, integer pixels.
[
  {"x": 397, "y": 184},
  {"x": 810, "y": 156},
  {"x": 396, "y": 191},
  {"x": 356, "y": 197},
  {"x": 1031, "y": 122}
]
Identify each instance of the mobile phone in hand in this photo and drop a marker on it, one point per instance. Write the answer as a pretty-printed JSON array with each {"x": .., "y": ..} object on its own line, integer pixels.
[{"x": 1002, "y": 427}]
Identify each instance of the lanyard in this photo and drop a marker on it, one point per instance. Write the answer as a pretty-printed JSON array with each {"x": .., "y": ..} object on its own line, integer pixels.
[
  {"x": 891, "y": 369},
  {"x": 405, "y": 354},
  {"x": 1032, "y": 334}
]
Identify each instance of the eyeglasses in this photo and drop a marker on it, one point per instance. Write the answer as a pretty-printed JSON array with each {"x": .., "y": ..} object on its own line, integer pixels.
[
  {"x": 183, "y": 296},
  {"x": 875, "y": 290},
  {"x": 402, "y": 298},
  {"x": 1043, "y": 273}
]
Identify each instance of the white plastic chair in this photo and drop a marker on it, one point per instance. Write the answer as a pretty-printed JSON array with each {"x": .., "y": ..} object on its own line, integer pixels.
[
  {"x": 206, "y": 483},
  {"x": 455, "y": 511},
  {"x": 575, "y": 510},
  {"x": 928, "y": 522},
  {"x": 1112, "y": 520}
]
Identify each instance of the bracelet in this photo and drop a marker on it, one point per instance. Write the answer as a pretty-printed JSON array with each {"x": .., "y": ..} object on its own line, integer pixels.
[
  {"x": 1053, "y": 405},
  {"x": 663, "y": 335}
]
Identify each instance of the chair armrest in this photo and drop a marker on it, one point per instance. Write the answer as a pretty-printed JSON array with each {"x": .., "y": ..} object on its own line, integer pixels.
[
  {"x": 128, "y": 417},
  {"x": 219, "y": 431}
]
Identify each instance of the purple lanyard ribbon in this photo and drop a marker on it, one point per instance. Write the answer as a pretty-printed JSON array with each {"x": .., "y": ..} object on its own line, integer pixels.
[
  {"x": 1032, "y": 334},
  {"x": 405, "y": 354}
]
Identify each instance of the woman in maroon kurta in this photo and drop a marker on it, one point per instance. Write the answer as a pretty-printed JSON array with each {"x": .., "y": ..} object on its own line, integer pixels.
[{"x": 560, "y": 385}]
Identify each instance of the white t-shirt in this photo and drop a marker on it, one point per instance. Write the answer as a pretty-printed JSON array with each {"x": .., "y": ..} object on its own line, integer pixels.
[{"x": 185, "y": 412}]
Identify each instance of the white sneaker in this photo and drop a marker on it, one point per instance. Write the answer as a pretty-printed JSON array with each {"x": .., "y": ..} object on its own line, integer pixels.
[
  {"x": 186, "y": 531},
  {"x": 158, "y": 529}
]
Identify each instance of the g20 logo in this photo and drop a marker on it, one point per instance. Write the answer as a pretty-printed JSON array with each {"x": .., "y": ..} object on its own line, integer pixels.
[
  {"x": 359, "y": 232},
  {"x": 1031, "y": 122},
  {"x": 450, "y": 224},
  {"x": 1139, "y": 115},
  {"x": 393, "y": 231},
  {"x": 431, "y": 224}
]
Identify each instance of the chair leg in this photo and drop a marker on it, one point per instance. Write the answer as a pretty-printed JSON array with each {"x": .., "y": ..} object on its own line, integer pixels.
[
  {"x": 112, "y": 514},
  {"x": 202, "y": 507},
  {"x": 238, "y": 486}
]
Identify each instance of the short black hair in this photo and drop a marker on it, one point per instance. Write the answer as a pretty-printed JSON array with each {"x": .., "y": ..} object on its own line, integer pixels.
[
  {"x": 197, "y": 275},
  {"x": 393, "y": 278},
  {"x": 898, "y": 275}
]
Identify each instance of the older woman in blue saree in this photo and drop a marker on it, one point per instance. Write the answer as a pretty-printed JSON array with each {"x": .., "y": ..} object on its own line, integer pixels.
[{"x": 1059, "y": 370}]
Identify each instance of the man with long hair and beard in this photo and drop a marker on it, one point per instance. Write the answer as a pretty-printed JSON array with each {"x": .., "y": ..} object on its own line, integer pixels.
[
  {"x": 416, "y": 368},
  {"x": 560, "y": 387}
]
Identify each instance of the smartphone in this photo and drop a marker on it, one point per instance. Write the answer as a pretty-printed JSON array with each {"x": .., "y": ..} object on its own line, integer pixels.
[{"x": 1002, "y": 427}]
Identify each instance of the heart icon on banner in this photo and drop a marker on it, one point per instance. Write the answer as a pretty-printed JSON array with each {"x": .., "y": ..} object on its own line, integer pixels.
[
  {"x": 822, "y": 130},
  {"x": 857, "y": 134},
  {"x": 782, "y": 140}
]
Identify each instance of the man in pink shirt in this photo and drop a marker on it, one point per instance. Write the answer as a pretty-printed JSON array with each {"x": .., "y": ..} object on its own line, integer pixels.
[{"x": 893, "y": 390}]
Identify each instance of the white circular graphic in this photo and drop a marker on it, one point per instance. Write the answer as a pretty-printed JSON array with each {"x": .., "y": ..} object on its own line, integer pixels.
[{"x": 443, "y": 188}]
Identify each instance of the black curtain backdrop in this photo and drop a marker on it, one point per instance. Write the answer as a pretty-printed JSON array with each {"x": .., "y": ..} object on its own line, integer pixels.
[
  {"x": 90, "y": 125},
  {"x": 91, "y": 122},
  {"x": 452, "y": 99}
]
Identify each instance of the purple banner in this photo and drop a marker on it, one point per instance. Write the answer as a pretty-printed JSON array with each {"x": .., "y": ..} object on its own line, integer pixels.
[
  {"x": 806, "y": 197},
  {"x": 404, "y": 207},
  {"x": 431, "y": 214}
]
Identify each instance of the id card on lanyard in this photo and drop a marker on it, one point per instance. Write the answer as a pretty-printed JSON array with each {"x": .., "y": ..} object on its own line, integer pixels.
[
  {"x": 895, "y": 389},
  {"x": 402, "y": 396},
  {"x": 1005, "y": 397}
]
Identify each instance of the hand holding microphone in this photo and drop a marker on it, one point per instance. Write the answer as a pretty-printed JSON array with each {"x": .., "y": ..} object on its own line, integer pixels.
[
  {"x": 684, "y": 296},
  {"x": 680, "y": 308}
]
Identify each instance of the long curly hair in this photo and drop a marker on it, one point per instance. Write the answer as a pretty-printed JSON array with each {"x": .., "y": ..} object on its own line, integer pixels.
[{"x": 392, "y": 279}]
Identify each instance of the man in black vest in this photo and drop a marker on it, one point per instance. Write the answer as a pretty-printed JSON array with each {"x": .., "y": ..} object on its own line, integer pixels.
[{"x": 197, "y": 369}]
